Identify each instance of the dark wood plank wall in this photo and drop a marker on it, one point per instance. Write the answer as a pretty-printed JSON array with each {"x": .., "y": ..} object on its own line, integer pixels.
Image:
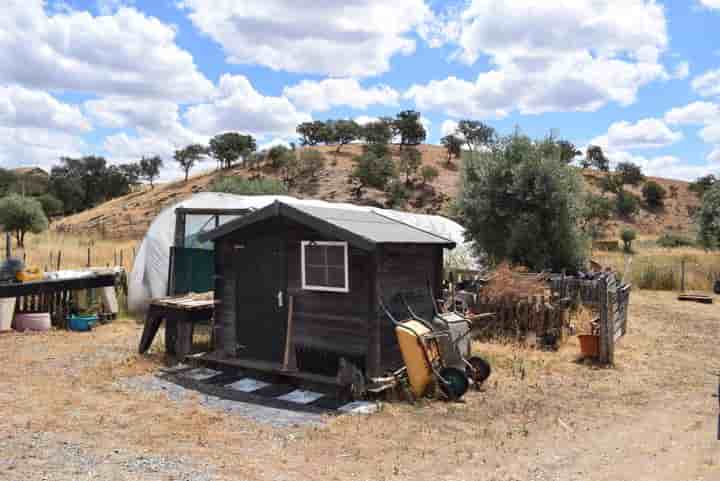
[{"x": 402, "y": 267}]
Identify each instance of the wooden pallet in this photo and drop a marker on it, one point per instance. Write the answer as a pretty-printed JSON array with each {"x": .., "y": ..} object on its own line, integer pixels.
[{"x": 696, "y": 298}]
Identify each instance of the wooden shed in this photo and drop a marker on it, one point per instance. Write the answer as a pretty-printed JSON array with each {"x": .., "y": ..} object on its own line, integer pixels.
[{"x": 334, "y": 262}]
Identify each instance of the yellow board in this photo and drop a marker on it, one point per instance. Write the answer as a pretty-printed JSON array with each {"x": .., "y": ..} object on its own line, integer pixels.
[
  {"x": 414, "y": 354},
  {"x": 30, "y": 274}
]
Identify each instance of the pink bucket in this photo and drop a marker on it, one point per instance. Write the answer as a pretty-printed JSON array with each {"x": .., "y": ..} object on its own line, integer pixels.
[{"x": 32, "y": 322}]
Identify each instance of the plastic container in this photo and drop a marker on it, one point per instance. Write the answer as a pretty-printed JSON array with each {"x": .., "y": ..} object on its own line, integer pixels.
[
  {"x": 7, "y": 311},
  {"x": 589, "y": 345},
  {"x": 82, "y": 323},
  {"x": 32, "y": 322}
]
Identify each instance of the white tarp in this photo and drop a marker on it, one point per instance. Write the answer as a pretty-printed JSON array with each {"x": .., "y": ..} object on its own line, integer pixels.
[{"x": 149, "y": 276}]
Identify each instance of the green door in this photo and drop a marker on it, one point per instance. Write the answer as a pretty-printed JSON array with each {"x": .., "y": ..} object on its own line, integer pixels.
[{"x": 261, "y": 299}]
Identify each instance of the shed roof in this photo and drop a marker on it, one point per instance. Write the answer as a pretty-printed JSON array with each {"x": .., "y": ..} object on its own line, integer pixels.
[{"x": 365, "y": 229}]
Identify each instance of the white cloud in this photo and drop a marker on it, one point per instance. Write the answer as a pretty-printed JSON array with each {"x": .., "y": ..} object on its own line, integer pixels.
[
  {"x": 666, "y": 166},
  {"x": 364, "y": 119},
  {"x": 40, "y": 147},
  {"x": 448, "y": 127},
  {"x": 694, "y": 114},
  {"x": 239, "y": 107},
  {"x": 644, "y": 134},
  {"x": 20, "y": 107},
  {"x": 127, "y": 53},
  {"x": 323, "y": 95},
  {"x": 714, "y": 156},
  {"x": 708, "y": 84},
  {"x": 353, "y": 38},
  {"x": 711, "y": 133},
  {"x": 682, "y": 71},
  {"x": 108, "y": 7},
  {"x": 567, "y": 55},
  {"x": 427, "y": 123},
  {"x": 710, "y": 3}
]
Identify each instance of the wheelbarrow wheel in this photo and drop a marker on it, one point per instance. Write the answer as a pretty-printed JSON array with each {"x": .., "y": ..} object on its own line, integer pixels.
[
  {"x": 454, "y": 383},
  {"x": 479, "y": 370}
]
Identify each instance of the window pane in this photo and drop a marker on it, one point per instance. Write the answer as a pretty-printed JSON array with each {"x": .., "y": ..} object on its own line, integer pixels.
[
  {"x": 336, "y": 277},
  {"x": 315, "y": 276},
  {"x": 336, "y": 256},
  {"x": 314, "y": 255}
]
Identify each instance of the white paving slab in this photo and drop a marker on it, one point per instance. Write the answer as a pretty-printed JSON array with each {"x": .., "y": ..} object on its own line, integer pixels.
[
  {"x": 301, "y": 396},
  {"x": 200, "y": 374},
  {"x": 177, "y": 367},
  {"x": 247, "y": 384},
  {"x": 360, "y": 407}
]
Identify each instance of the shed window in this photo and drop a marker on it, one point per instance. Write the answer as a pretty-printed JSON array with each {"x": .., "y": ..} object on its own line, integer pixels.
[{"x": 325, "y": 266}]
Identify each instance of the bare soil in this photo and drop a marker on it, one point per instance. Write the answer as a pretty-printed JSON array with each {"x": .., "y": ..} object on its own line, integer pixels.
[{"x": 64, "y": 415}]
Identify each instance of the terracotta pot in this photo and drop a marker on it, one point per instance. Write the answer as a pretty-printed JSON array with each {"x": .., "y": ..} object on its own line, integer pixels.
[
  {"x": 32, "y": 322},
  {"x": 589, "y": 345}
]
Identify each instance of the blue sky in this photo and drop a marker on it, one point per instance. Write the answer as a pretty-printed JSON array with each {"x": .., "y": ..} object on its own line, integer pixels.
[{"x": 126, "y": 78}]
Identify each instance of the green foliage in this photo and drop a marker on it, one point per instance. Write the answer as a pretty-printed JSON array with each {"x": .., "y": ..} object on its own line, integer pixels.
[
  {"x": 311, "y": 162},
  {"x": 670, "y": 241},
  {"x": 342, "y": 132},
  {"x": 453, "y": 145},
  {"x": 611, "y": 183},
  {"x": 278, "y": 156},
  {"x": 708, "y": 218},
  {"x": 82, "y": 183},
  {"x": 629, "y": 173},
  {"x": 595, "y": 157},
  {"x": 476, "y": 134},
  {"x": 654, "y": 194},
  {"x": 189, "y": 156},
  {"x": 702, "y": 184},
  {"x": 312, "y": 133},
  {"x": 51, "y": 205},
  {"x": 7, "y": 180},
  {"x": 626, "y": 204},
  {"x": 378, "y": 132},
  {"x": 21, "y": 215},
  {"x": 596, "y": 213},
  {"x": 520, "y": 206},
  {"x": 628, "y": 236},
  {"x": 150, "y": 168},
  {"x": 410, "y": 161},
  {"x": 372, "y": 170},
  {"x": 242, "y": 186},
  {"x": 409, "y": 128},
  {"x": 397, "y": 194},
  {"x": 229, "y": 147},
  {"x": 428, "y": 173},
  {"x": 568, "y": 151}
]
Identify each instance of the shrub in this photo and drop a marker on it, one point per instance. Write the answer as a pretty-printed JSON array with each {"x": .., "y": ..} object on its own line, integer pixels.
[
  {"x": 397, "y": 194},
  {"x": 626, "y": 204},
  {"x": 242, "y": 186},
  {"x": 373, "y": 171},
  {"x": 629, "y": 173},
  {"x": 611, "y": 183},
  {"x": 410, "y": 161},
  {"x": 311, "y": 162},
  {"x": 628, "y": 236},
  {"x": 708, "y": 218},
  {"x": 595, "y": 215},
  {"x": 51, "y": 205},
  {"x": 702, "y": 184},
  {"x": 521, "y": 206},
  {"x": 428, "y": 174},
  {"x": 278, "y": 156},
  {"x": 21, "y": 215},
  {"x": 670, "y": 241},
  {"x": 654, "y": 194}
]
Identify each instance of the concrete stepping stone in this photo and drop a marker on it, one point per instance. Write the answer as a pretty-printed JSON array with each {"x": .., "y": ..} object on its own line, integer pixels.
[
  {"x": 300, "y": 396},
  {"x": 247, "y": 384},
  {"x": 200, "y": 374}
]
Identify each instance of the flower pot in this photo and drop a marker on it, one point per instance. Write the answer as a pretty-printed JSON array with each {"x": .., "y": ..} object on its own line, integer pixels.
[{"x": 589, "y": 345}]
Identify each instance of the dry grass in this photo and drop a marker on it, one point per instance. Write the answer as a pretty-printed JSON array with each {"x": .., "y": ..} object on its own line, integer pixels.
[{"x": 43, "y": 249}]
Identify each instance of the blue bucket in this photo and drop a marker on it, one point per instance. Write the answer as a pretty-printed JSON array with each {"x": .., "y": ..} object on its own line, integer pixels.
[{"x": 81, "y": 323}]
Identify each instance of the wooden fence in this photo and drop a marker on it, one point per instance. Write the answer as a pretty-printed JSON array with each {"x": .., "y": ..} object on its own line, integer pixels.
[
  {"x": 583, "y": 291},
  {"x": 614, "y": 304},
  {"x": 538, "y": 314}
]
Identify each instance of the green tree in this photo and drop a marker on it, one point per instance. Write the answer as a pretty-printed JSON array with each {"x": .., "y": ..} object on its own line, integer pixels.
[
  {"x": 596, "y": 213},
  {"x": 476, "y": 134},
  {"x": 278, "y": 156},
  {"x": 150, "y": 168},
  {"x": 312, "y": 133},
  {"x": 397, "y": 194},
  {"x": 51, "y": 205},
  {"x": 409, "y": 128},
  {"x": 131, "y": 172},
  {"x": 7, "y": 181},
  {"x": 611, "y": 183},
  {"x": 568, "y": 151},
  {"x": 189, "y": 156},
  {"x": 428, "y": 173},
  {"x": 372, "y": 171},
  {"x": 708, "y": 218},
  {"x": 520, "y": 206},
  {"x": 453, "y": 146},
  {"x": 410, "y": 161},
  {"x": 377, "y": 132},
  {"x": 628, "y": 236},
  {"x": 626, "y": 204},
  {"x": 21, "y": 215},
  {"x": 227, "y": 148},
  {"x": 654, "y": 194},
  {"x": 629, "y": 173},
  {"x": 595, "y": 157},
  {"x": 311, "y": 162},
  {"x": 702, "y": 184},
  {"x": 242, "y": 186},
  {"x": 344, "y": 132}
]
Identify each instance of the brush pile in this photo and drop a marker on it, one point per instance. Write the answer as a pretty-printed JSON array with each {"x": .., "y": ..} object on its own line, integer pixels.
[{"x": 506, "y": 283}]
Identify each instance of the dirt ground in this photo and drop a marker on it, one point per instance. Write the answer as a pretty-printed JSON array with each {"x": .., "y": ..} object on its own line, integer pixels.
[{"x": 64, "y": 415}]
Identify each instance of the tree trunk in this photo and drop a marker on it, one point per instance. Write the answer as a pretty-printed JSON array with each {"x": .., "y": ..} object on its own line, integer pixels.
[
  {"x": 21, "y": 238},
  {"x": 187, "y": 171}
]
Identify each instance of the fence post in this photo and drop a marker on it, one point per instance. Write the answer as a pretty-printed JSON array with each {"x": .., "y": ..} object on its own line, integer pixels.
[
  {"x": 682, "y": 275},
  {"x": 606, "y": 334}
]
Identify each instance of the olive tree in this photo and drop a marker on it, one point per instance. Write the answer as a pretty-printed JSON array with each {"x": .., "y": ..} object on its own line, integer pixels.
[
  {"x": 708, "y": 218},
  {"x": 520, "y": 205},
  {"x": 21, "y": 215}
]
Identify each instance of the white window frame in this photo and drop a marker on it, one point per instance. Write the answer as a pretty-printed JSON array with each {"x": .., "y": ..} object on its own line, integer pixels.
[{"x": 309, "y": 287}]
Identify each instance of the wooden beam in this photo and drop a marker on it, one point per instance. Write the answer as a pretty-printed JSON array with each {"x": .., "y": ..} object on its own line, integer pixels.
[{"x": 374, "y": 355}]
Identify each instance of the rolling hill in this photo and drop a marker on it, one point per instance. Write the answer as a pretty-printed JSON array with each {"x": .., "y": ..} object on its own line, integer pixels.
[{"x": 129, "y": 216}]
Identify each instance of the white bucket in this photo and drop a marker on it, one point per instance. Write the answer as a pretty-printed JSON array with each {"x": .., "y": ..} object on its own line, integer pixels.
[{"x": 7, "y": 311}]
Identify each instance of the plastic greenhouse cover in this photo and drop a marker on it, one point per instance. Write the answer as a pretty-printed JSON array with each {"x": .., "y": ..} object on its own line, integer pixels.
[{"x": 149, "y": 277}]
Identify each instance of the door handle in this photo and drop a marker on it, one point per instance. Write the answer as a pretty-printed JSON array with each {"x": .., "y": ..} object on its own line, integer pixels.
[{"x": 280, "y": 298}]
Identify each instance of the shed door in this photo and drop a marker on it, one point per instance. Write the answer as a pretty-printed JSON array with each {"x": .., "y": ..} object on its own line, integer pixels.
[{"x": 261, "y": 270}]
